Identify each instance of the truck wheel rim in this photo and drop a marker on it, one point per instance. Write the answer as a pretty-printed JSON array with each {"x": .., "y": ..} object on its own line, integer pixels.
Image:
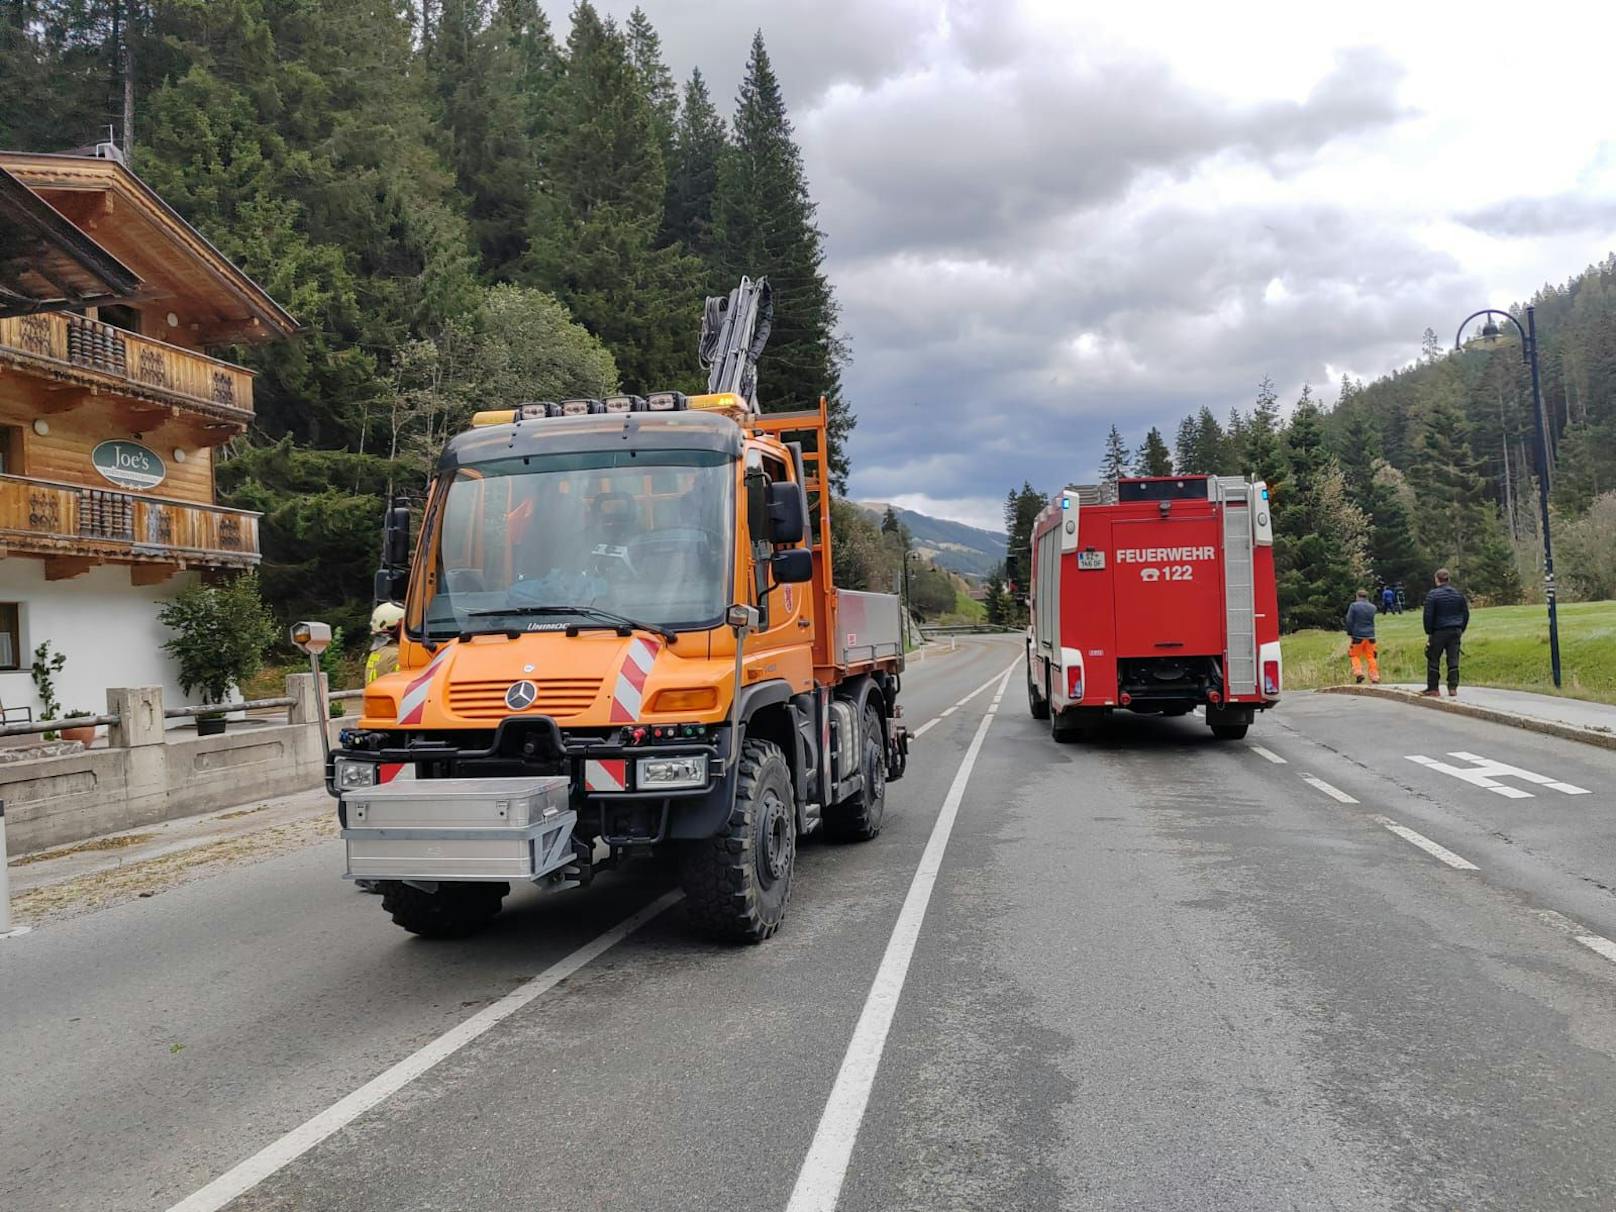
[{"x": 776, "y": 837}]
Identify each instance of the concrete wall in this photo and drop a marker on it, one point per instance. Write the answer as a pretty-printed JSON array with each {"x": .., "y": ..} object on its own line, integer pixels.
[
  {"x": 107, "y": 628},
  {"x": 146, "y": 776}
]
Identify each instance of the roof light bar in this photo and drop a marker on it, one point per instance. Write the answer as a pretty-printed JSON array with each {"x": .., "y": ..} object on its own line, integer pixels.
[
  {"x": 624, "y": 404},
  {"x": 666, "y": 401},
  {"x": 581, "y": 408},
  {"x": 535, "y": 410}
]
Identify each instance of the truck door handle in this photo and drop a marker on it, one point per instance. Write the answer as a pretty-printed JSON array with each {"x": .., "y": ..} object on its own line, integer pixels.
[
  {"x": 1170, "y": 644},
  {"x": 805, "y": 623}
]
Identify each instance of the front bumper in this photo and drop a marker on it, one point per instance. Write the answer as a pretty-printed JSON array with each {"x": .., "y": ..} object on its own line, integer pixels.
[{"x": 600, "y": 769}]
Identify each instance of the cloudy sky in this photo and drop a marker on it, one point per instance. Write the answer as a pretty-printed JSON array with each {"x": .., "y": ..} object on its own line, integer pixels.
[{"x": 1046, "y": 217}]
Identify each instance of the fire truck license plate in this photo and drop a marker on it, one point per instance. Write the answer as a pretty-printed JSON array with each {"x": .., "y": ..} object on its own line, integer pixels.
[{"x": 1091, "y": 559}]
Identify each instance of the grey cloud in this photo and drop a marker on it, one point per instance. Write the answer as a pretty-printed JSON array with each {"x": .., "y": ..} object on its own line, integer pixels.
[
  {"x": 956, "y": 162},
  {"x": 1558, "y": 214}
]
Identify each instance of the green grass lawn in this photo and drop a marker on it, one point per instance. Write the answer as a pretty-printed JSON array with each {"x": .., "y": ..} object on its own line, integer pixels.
[{"x": 1506, "y": 646}]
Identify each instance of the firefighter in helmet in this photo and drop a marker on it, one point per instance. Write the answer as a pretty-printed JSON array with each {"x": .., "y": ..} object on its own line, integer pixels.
[{"x": 386, "y": 622}]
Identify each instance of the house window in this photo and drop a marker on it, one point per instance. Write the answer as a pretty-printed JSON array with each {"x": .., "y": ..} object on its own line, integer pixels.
[
  {"x": 10, "y": 635},
  {"x": 119, "y": 316},
  {"x": 10, "y": 450}
]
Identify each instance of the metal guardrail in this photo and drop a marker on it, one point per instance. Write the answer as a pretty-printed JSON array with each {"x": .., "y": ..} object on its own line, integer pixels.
[{"x": 969, "y": 629}]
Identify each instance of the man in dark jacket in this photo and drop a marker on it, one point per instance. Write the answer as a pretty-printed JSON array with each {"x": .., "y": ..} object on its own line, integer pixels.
[
  {"x": 1447, "y": 614},
  {"x": 1361, "y": 638}
]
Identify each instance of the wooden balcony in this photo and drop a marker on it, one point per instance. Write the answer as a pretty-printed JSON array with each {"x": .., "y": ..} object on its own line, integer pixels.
[
  {"x": 76, "y": 527},
  {"x": 73, "y": 351}
]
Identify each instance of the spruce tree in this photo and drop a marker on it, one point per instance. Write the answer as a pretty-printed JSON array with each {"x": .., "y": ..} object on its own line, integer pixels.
[
  {"x": 764, "y": 225},
  {"x": 595, "y": 223},
  {"x": 1394, "y": 552},
  {"x": 480, "y": 76},
  {"x": 1114, "y": 464},
  {"x": 1153, "y": 457},
  {"x": 656, "y": 81},
  {"x": 699, "y": 144}
]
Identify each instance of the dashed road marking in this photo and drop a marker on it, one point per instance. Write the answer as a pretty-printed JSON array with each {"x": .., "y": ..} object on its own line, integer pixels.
[
  {"x": 938, "y": 719},
  {"x": 1334, "y": 793},
  {"x": 819, "y": 1182},
  {"x": 1485, "y": 772},
  {"x": 1267, "y": 753},
  {"x": 278, "y": 1154},
  {"x": 1427, "y": 845},
  {"x": 1599, "y": 944}
]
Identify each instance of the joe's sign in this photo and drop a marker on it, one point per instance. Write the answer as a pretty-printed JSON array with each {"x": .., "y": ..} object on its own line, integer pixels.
[{"x": 128, "y": 464}]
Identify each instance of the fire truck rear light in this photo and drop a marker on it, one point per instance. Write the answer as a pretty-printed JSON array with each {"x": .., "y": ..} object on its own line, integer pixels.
[
  {"x": 1125, "y": 698},
  {"x": 581, "y": 408},
  {"x": 1212, "y": 696},
  {"x": 666, "y": 401},
  {"x": 1270, "y": 677},
  {"x": 624, "y": 404},
  {"x": 1075, "y": 682}
]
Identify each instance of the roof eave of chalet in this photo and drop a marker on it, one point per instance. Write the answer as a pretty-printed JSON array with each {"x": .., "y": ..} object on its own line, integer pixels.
[
  {"x": 271, "y": 314},
  {"x": 26, "y": 211}
]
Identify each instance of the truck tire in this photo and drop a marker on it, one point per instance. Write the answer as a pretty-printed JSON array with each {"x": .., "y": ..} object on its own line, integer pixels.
[
  {"x": 1038, "y": 706},
  {"x": 858, "y": 819},
  {"x": 453, "y": 911},
  {"x": 1230, "y": 732},
  {"x": 737, "y": 884}
]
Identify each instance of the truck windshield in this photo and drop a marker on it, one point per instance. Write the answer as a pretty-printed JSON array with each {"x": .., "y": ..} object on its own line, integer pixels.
[{"x": 642, "y": 535}]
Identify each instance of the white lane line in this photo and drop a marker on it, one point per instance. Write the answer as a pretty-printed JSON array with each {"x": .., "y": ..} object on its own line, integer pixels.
[
  {"x": 248, "y": 1174},
  {"x": 936, "y": 720},
  {"x": 1334, "y": 793},
  {"x": 819, "y": 1182},
  {"x": 1598, "y": 944},
  {"x": 1267, "y": 753},
  {"x": 1427, "y": 845}
]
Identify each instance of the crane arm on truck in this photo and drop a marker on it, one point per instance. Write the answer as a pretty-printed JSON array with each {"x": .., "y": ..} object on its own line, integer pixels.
[{"x": 734, "y": 330}]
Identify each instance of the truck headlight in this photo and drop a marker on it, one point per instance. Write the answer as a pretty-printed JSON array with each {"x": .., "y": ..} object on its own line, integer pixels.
[
  {"x": 351, "y": 775},
  {"x": 671, "y": 773}
]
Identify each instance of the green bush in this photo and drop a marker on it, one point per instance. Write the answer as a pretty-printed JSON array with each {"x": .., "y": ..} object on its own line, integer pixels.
[{"x": 220, "y": 634}]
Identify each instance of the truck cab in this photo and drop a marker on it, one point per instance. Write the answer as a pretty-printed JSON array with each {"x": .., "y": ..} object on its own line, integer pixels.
[{"x": 620, "y": 624}]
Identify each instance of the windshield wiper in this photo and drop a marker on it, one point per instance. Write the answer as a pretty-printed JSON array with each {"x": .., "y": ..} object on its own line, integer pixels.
[{"x": 620, "y": 623}]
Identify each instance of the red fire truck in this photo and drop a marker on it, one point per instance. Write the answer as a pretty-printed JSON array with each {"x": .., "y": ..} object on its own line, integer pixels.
[{"x": 1157, "y": 598}]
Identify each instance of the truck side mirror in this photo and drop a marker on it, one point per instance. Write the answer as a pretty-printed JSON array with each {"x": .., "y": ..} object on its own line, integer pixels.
[
  {"x": 396, "y": 536},
  {"x": 1012, "y": 569},
  {"x": 793, "y": 567},
  {"x": 788, "y": 513},
  {"x": 392, "y": 584}
]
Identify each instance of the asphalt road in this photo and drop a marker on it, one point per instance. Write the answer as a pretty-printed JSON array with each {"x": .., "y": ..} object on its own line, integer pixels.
[{"x": 1152, "y": 970}]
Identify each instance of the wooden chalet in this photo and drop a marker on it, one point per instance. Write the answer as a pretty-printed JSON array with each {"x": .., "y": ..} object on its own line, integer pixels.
[{"x": 111, "y": 409}]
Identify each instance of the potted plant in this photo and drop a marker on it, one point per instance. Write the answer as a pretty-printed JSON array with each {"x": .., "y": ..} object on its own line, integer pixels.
[
  {"x": 220, "y": 633},
  {"x": 46, "y": 666},
  {"x": 84, "y": 734}
]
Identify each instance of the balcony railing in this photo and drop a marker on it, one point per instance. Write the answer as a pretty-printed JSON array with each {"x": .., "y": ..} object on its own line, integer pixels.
[
  {"x": 42, "y": 517},
  {"x": 73, "y": 347}
]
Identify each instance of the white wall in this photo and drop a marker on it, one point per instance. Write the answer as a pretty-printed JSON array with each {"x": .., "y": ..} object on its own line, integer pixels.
[{"x": 107, "y": 627}]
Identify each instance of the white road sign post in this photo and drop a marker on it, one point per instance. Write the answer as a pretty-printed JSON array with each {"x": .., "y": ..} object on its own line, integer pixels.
[{"x": 7, "y": 930}]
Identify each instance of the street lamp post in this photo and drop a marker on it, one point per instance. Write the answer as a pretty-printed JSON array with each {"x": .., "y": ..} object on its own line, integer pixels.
[{"x": 1529, "y": 355}]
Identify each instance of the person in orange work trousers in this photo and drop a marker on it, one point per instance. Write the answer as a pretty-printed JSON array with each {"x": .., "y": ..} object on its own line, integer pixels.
[{"x": 1361, "y": 638}]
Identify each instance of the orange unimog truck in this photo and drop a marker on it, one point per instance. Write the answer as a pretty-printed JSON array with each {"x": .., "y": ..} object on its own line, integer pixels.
[{"x": 622, "y": 637}]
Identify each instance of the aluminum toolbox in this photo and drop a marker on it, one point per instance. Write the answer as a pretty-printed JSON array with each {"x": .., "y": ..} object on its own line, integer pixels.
[
  {"x": 459, "y": 829},
  {"x": 869, "y": 627}
]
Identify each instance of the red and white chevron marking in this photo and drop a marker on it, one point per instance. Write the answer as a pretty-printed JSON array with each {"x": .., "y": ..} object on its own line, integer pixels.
[
  {"x": 413, "y": 701},
  {"x": 611, "y": 774},
  {"x": 629, "y": 692}
]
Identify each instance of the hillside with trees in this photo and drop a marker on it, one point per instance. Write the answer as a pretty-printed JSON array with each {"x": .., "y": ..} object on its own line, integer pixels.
[{"x": 462, "y": 207}]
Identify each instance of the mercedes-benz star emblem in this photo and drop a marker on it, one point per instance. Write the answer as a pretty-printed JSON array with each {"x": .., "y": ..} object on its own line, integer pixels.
[{"x": 521, "y": 695}]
